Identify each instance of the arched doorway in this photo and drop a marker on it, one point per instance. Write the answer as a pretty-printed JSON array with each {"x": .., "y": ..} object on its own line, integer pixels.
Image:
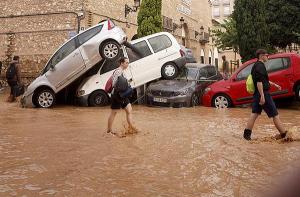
[{"x": 210, "y": 57}]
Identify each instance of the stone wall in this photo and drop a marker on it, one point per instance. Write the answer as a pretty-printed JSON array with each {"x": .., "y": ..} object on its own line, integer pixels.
[{"x": 37, "y": 28}]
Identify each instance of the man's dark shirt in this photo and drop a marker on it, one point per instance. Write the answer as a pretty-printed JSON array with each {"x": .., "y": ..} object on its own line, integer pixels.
[{"x": 259, "y": 74}]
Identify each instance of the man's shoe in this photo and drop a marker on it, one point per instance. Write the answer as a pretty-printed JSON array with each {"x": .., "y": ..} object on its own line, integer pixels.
[
  {"x": 247, "y": 134},
  {"x": 287, "y": 136}
]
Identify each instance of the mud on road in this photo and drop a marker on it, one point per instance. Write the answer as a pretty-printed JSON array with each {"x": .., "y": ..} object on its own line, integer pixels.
[{"x": 198, "y": 151}]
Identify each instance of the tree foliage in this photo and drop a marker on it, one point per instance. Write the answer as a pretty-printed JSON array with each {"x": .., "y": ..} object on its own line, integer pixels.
[
  {"x": 149, "y": 17},
  {"x": 251, "y": 26},
  {"x": 225, "y": 36},
  {"x": 283, "y": 18}
]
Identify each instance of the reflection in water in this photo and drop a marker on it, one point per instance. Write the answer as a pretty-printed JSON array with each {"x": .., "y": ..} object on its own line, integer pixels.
[{"x": 177, "y": 152}]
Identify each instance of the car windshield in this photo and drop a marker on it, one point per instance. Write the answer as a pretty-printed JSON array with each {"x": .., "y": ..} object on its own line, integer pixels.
[{"x": 188, "y": 74}]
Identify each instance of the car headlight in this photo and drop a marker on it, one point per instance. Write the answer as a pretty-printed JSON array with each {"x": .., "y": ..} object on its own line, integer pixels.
[
  {"x": 207, "y": 90},
  {"x": 80, "y": 92}
]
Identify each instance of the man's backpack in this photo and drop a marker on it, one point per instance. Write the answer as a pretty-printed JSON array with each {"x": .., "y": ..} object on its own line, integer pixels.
[
  {"x": 11, "y": 72},
  {"x": 250, "y": 85},
  {"x": 122, "y": 84}
]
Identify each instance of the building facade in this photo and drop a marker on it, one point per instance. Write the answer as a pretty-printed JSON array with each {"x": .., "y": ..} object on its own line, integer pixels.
[
  {"x": 221, "y": 10},
  {"x": 35, "y": 29}
]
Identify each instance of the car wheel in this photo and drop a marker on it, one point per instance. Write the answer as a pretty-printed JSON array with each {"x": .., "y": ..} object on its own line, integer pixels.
[
  {"x": 44, "y": 98},
  {"x": 98, "y": 99},
  {"x": 110, "y": 50},
  {"x": 297, "y": 93},
  {"x": 169, "y": 71},
  {"x": 194, "y": 100},
  {"x": 221, "y": 101}
]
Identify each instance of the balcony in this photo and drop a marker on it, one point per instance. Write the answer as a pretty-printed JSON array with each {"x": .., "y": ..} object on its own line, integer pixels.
[{"x": 204, "y": 38}]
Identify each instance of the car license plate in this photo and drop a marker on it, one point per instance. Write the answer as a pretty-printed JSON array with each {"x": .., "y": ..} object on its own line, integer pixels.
[{"x": 160, "y": 100}]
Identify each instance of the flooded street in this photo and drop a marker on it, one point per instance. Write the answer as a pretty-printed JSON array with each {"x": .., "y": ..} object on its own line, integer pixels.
[{"x": 199, "y": 151}]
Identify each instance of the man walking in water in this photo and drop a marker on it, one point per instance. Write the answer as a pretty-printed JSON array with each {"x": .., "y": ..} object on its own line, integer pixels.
[
  {"x": 118, "y": 102},
  {"x": 262, "y": 99}
]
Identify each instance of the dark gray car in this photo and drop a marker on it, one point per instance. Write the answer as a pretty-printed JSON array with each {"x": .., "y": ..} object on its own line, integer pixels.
[{"x": 186, "y": 89}]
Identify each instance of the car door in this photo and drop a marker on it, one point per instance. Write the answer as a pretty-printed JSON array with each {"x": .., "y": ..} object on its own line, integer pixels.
[
  {"x": 65, "y": 65},
  {"x": 237, "y": 89},
  {"x": 140, "y": 63},
  {"x": 162, "y": 53},
  {"x": 89, "y": 47},
  {"x": 280, "y": 73}
]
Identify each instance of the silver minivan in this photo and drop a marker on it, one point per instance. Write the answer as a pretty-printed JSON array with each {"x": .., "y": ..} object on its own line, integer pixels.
[{"x": 72, "y": 60}]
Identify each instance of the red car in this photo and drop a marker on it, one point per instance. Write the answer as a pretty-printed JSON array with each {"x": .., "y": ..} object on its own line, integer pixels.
[{"x": 283, "y": 69}]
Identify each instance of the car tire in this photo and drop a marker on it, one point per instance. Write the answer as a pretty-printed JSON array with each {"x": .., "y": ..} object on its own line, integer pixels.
[
  {"x": 297, "y": 92},
  {"x": 110, "y": 50},
  {"x": 169, "y": 71},
  {"x": 194, "y": 100},
  {"x": 221, "y": 101},
  {"x": 44, "y": 98},
  {"x": 98, "y": 99}
]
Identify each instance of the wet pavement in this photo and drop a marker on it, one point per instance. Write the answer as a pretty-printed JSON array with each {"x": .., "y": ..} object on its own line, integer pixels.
[{"x": 198, "y": 151}]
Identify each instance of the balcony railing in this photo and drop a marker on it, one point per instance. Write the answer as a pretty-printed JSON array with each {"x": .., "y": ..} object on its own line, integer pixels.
[{"x": 204, "y": 38}]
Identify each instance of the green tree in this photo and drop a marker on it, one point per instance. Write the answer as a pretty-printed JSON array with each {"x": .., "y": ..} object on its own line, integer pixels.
[
  {"x": 251, "y": 26},
  {"x": 283, "y": 17},
  {"x": 149, "y": 18},
  {"x": 225, "y": 37}
]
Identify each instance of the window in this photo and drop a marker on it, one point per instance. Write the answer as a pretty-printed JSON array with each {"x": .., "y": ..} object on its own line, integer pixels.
[
  {"x": 216, "y": 11},
  {"x": 211, "y": 71},
  {"x": 140, "y": 50},
  {"x": 188, "y": 74},
  {"x": 109, "y": 66},
  {"x": 132, "y": 56},
  {"x": 85, "y": 36},
  {"x": 143, "y": 48},
  {"x": 226, "y": 11},
  {"x": 277, "y": 64},
  {"x": 63, "y": 52},
  {"x": 243, "y": 74},
  {"x": 160, "y": 43},
  {"x": 203, "y": 73}
]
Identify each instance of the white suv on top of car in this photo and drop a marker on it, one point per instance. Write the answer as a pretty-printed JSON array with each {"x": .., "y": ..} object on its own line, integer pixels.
[
  {"x": 151, "y": 57},
  {"x": 72, "y": 60}
]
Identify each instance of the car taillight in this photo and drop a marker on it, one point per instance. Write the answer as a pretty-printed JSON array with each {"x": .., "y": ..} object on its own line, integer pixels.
[
  {"x": 110, "y": 24},
  {"x": 182, "y": 53}
]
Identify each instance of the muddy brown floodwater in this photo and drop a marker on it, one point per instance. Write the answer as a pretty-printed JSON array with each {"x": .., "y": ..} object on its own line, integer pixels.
[{"x": 198, "y": 151}]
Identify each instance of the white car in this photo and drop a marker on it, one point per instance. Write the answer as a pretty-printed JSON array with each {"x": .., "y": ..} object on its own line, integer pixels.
[
  {"x": 151, "y": 57},
  {"x": 72, "y": 60}
]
